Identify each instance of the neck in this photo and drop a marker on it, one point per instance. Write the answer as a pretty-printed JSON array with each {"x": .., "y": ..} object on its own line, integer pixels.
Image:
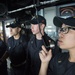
[
  {"x": 39, "y": 36},
  {"x": 42, "y": 31},
  {"x": 16, "y": 36},
  {"x": 72, "y": 56}
]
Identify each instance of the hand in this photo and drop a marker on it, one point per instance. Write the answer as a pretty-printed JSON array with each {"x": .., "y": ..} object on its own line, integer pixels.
[{"x": 45, "y": 56}]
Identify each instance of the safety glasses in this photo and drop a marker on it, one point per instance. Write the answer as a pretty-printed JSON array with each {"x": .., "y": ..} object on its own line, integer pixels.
[{"x": 65, "y": 30}]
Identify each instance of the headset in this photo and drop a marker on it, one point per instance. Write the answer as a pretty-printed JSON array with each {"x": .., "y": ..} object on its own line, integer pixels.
[{"x": 47, "y": 44}]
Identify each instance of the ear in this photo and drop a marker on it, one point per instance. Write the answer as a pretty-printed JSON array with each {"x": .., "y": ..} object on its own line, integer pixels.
[
  {"x": 19, "y": 29},
  {"x": 42, "y": 26}
]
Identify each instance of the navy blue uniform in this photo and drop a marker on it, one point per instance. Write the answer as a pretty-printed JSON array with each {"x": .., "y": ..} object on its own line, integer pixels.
[
  {"x": 60, "y": 65},
  {"x": 3, "y": 66},
  {"x": 17, "y": 54},
  {"x": 34, "y": 48}
]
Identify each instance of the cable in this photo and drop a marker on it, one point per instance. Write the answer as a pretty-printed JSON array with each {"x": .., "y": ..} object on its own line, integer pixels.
[{"x": 46, "y": 42}]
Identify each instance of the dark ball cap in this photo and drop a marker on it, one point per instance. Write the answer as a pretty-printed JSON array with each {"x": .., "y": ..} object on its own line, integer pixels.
[
  {"x": 68, "y": 21},
  {"x": 14, "y": 24},
  {"x": 38, "y": 19}
]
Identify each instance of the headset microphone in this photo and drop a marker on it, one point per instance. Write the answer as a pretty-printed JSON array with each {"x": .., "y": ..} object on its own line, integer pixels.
[
  {"x": 48, "y": 43},
  {"x": 50, "y": 46}
]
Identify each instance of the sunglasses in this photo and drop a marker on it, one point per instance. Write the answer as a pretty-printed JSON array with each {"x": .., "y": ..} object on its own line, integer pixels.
[{"x": 65, "y": 30}]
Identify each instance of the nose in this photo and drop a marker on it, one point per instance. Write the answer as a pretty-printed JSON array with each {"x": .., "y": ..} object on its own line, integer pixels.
[
  {"x": 61, "y": 34},
  {"x": 10, "y": 29}
]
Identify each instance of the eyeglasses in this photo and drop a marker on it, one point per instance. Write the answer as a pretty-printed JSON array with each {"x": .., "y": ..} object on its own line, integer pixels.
[{"x": 65, "y": 30}]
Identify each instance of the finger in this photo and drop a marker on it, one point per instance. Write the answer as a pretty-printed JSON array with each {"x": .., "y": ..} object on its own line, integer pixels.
[
  {"x": 50, "y": 52},
  {"x": 43, "y": 53},
  {"x": 49, "y": 41},
  {"x": 44, "y": 49}
]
